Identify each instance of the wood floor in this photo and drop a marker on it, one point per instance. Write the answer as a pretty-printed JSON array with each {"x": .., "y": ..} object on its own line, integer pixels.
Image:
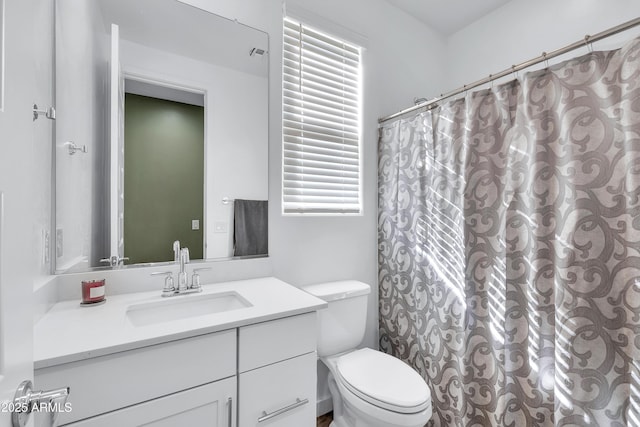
[{"x": 324, "y": 420}]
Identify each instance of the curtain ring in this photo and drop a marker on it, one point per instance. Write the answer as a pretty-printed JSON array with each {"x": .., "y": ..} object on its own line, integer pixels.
[
  {"x": 491, "y": 80},
  {"x": 514, "y": 72},
  {"x": 587, "y": 43},
  {"x": 546, "y": 61}
]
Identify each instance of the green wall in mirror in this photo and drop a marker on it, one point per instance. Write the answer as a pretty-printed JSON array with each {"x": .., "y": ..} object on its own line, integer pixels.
[{"x": 164, "y": 190}]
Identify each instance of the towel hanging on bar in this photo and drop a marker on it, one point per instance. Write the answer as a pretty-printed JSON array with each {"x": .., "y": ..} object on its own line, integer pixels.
[{"x": 250, "y": 227}]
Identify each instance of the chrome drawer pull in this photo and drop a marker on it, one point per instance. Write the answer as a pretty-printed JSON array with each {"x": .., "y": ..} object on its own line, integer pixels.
[{"x": 281, "y": 411}]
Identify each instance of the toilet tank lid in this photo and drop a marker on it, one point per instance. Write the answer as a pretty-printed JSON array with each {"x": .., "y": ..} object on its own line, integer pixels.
[{"x": 333, "y": 291}]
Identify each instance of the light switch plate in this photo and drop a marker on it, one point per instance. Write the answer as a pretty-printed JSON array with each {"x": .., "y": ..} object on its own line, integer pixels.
[
  {"x": 220, "y": 227},
  {"x": 195, "y": 224}
]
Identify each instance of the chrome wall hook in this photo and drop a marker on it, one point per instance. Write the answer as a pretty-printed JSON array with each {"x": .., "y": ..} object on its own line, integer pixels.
[
  {"x": 49, "y": 113},
  {"x": 257, "y": 51},
  {"x": 73, "y": 148}
]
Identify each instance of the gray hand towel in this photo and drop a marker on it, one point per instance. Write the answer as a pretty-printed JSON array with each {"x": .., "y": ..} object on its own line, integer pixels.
[{"x": 250, "y": 227}]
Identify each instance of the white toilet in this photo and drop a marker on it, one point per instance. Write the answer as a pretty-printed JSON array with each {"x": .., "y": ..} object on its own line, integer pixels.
[{"x": 368, "y": 388}]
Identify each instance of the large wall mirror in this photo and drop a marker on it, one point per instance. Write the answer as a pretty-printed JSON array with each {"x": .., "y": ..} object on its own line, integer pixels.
[{"x": 161, "y": 134}]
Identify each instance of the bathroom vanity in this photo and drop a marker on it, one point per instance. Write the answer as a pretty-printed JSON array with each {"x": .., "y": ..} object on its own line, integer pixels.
[{"x": 238, "y": 354}]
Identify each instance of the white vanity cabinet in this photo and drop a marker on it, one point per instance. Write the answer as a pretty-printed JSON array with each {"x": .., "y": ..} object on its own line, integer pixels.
[{"x": 261, "y": 374}]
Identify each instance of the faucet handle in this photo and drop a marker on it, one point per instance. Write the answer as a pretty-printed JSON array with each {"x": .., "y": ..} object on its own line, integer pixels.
[
  {"x": 184, "y": 255},
  {"x": 169, "y": 288},
  {"x": 195, "y": 278},
  {"x": 176, "y": 250}
]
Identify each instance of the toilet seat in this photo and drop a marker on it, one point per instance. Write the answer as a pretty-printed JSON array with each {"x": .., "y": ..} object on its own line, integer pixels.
[{"x": 394, "y": 386}]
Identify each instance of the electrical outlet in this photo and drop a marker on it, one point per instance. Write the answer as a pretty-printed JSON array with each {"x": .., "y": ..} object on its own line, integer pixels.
[
  {"x": 59, "y": 245},
  {"x": 46, "y": 247},
  {"x": 220, "y": 227}
]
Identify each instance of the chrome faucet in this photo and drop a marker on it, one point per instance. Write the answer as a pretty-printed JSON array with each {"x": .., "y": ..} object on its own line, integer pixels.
[{"x": 183, "y": 287}]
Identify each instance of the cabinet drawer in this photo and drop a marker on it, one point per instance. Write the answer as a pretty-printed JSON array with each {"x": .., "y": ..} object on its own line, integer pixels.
[
  {"x": 282, "y": 394},
  {"x": 208, "y": 405},
  {"x": 270, "y": 342},
  {"x": 111, "y": 382}
]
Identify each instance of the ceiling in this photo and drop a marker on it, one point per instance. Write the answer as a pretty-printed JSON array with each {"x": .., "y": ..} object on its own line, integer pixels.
[{"x": 448, "y": 16}]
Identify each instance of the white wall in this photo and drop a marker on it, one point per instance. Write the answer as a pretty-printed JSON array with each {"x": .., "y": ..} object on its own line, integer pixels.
[
  {"x": 236, "y": 128},
  {"x": 523, "y": 29}
]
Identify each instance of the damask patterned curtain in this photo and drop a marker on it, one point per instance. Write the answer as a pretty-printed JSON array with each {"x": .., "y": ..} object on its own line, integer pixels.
[{"x": 509, "y": 247}]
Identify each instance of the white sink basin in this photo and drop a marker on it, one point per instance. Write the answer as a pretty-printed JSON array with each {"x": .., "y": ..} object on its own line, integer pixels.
[{"x": 184, "y": 307}]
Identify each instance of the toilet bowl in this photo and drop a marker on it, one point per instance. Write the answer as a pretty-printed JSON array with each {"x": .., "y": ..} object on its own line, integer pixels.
[
  {"x": 376, "y": 389},
  {"x": 368, "y": 388}
]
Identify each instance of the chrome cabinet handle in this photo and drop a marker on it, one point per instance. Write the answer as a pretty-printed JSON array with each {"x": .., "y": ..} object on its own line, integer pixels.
[
  {"x": 265, "y": 416},
  {"x": 230, "y": 413}
]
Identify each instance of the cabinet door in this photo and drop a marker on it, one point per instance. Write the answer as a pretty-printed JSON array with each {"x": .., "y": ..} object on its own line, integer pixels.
[
  {"x": 210, "y": 405},
  {"x": 282, "y": 394}
]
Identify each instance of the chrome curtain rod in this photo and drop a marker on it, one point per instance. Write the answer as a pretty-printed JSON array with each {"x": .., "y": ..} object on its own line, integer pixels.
[{"x": 515, "y": 68}]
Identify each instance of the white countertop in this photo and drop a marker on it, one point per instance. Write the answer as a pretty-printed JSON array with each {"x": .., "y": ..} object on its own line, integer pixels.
[{"x": 70, "y": 332}]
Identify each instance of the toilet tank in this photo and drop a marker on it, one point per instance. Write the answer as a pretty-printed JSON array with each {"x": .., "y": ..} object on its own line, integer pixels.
[{"x": 341, "y": 326}]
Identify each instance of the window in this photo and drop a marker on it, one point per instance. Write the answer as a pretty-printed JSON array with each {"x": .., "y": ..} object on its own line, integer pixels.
[{"x": 320, "y": 123}]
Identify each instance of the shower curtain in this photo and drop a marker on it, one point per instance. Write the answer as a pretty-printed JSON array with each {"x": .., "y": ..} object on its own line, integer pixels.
[{"x": 509, "y": 247}]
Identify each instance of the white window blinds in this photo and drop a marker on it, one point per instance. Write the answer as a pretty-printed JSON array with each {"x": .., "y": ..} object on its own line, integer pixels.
[{"x": 320, "y": 123}]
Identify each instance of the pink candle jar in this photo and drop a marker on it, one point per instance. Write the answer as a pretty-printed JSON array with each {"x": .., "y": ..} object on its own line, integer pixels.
[{"x": 93, "y": 291}]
